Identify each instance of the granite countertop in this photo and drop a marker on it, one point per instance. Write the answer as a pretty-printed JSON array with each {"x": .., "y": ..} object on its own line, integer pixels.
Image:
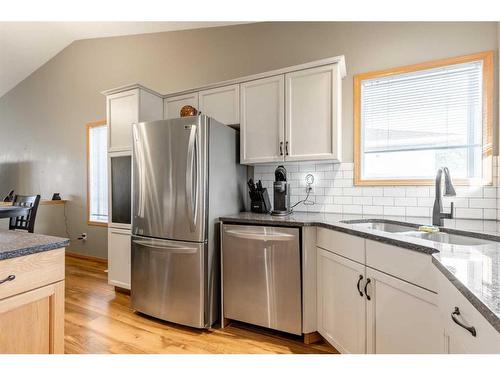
[
  {"x": 16, "y": 244},
  {"x": 474, "y": 270}
]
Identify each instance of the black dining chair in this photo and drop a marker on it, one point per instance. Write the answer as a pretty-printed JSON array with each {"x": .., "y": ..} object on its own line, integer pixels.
[{"x": 26, "y": 222}]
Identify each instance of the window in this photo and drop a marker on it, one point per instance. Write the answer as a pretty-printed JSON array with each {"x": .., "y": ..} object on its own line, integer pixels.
[
  {"x": 410, "y": 121},
  {"x": 97, "y": 173}
]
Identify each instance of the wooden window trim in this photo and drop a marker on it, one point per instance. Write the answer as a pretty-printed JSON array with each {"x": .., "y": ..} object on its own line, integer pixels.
[
  {"x": 487, "y": 58},
  {"x": 90, "y": 125}
]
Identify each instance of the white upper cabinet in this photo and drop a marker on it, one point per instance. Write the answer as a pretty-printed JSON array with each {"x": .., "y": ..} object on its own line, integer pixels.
[
  {"x": 401, "y": 318},
  {"x": 222, "y": 104},
  {"x": 262, "y": 108},
  {"x": 122, "y": 111},
  {"x": 128, "y": 107},
  {"x": 312, "y": 120},
  {"x": 173, "y": 104}
]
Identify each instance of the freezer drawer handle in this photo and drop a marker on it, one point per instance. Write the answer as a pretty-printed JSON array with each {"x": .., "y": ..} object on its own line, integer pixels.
[
  {"x": 260, "y": 236},
  {"x": 455, "y": 313},
  {"x": 8, "y": 278},
  {"x": 359, "y": 281},
  {"x": 174, "y": 248}
]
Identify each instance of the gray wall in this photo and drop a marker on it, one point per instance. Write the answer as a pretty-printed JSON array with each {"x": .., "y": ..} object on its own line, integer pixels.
[{"x": 42, "y": 142}]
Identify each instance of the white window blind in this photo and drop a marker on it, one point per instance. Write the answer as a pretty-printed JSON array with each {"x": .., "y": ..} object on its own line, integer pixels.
[
  {"x": 414, "y": 123},
  {"x": 98, "y": 174}
]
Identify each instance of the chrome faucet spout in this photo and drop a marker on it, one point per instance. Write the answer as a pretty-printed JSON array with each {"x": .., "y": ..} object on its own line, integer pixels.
[{"x": 438, "y": 215}]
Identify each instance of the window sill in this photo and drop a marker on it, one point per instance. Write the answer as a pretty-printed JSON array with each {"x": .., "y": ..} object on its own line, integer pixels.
[{"x": 97, "y": 223}]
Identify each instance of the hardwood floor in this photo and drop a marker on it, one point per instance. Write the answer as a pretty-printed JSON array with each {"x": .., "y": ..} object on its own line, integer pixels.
[{"x": 99, "y": 320}]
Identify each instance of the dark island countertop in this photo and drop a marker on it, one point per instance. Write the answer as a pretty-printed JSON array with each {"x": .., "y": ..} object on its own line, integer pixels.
[
  {"x": 16, "y": 244},
  {"x": 482, "y": 288}
]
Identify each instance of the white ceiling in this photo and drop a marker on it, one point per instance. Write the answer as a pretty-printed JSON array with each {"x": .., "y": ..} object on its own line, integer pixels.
[{"x": 25, "y": 46}]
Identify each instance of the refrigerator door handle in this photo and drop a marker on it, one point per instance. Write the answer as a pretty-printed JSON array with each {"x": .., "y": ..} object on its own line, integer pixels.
[{"x": 191, "y": 169}]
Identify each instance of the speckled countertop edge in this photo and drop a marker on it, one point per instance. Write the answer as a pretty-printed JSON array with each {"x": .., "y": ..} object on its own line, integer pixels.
[
  {"x": 489, "y": 315},
  {"x": 29, "y": 243},
  {"x": 411, "y": 244}
]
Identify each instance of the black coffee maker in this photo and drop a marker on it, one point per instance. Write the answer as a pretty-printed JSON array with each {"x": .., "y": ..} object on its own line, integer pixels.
[{"x": 282, "y": 193}]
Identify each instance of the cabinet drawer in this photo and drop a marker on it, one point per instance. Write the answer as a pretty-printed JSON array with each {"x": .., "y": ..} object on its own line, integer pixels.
[
  {"x": 348, "y": 246},
  {"x": 487, "y": 339},
  {"x": 408, "y": 265},
  {"x": 31, "y": 271}
]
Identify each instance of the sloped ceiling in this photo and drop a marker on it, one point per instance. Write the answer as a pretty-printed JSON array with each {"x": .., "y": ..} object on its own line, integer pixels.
[{"x": 25, "y": 46}]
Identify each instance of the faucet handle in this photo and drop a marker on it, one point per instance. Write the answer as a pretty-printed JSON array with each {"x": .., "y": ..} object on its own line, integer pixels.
[{"x": 451, "y": 210}]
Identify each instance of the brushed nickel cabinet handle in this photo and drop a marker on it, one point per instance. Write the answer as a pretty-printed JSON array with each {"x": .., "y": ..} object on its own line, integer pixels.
[
  {"x": 455, "y": 313},
  {"x": 8, "y": 278},
  {"x": 357, "y": 285}
]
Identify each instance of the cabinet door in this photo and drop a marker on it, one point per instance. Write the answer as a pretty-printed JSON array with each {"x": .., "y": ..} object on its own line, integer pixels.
[
  {"x": 401, "y": 318},
  {"x": 262, "y": 120},
  {"x": 172, "y": 105},
  {"x": 222, "y": 103},
  {"x": 341, "y": 308},
  {"x": 313, "y": 126},
  {"x": 119, "y": 255},
  {"x": 123, "y": 111},
  {"x": 33, "y": 322}
]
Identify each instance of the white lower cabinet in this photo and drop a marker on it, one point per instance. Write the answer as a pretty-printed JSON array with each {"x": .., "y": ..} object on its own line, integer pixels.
[
  {"x": 364, "y": 310},
  {"x": 119, "y": 257},
  {"x": 401, "y": 318},
  {"x": 466, "y": 330},
  {"x": 341, "y": 309}
]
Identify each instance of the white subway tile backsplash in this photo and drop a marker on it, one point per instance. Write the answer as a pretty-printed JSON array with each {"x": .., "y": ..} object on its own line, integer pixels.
[
  {"x": 394, "y": 191},
  {"x": 335, "y": 192},
  {"x": 412, "y": 202},
  {"x": 383, "y": 201},
  {"x": 482, "y": 203},
  {"x": 395, "y": 211},
  {"x": 373, "y": 210},
  {"x": 342, "y": 200}
]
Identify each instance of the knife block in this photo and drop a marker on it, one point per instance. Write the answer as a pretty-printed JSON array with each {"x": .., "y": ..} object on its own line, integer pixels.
[{"x": 260, "y": 202}]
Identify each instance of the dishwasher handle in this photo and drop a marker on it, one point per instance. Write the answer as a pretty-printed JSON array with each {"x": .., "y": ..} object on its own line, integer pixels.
[{"x": 249, "y": 235}]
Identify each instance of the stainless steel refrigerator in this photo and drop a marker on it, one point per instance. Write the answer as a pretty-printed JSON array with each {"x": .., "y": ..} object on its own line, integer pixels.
[{"x": 185, "y": 174}]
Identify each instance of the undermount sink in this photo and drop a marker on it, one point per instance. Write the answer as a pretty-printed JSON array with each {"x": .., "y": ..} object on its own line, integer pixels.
[
  {"x": 382, "y": 226},
  {"x": 412, "y": 231},
  {"x": 453, "y": 239}
]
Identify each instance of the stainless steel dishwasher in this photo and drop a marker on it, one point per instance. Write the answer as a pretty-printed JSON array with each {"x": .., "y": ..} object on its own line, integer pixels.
[{"x": 261, "y": 276}]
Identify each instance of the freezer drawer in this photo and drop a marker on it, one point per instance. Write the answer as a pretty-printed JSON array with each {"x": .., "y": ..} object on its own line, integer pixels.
[
  {"x": 167, "y": 280},
  {"x": 262, "y": 276}
]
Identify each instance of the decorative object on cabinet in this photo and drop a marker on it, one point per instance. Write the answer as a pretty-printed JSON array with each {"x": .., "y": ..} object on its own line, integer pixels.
[
  {"x": 9, "y": 197},
  {"x": 188, "y": 110},
  {"x": 56, "y": 196}
]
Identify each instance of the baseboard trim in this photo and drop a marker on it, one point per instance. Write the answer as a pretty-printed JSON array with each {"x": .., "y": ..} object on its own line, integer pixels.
[
  {"x": 119, "y": 289},
  {"x": 86, "y": 257}
]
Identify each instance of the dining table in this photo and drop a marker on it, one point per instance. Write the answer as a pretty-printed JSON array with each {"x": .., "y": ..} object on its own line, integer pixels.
[{"x": 13, "y": 211}]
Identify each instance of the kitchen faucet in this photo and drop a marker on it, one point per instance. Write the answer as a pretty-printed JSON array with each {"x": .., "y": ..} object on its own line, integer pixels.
[{"x": 438, "y": 215}]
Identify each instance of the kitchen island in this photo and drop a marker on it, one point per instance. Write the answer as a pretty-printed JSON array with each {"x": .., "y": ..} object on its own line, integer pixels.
[{"x": 31, "y": 293}]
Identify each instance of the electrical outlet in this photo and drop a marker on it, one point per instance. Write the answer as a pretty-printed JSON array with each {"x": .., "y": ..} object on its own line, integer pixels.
[{"x": 82, "y": 236}]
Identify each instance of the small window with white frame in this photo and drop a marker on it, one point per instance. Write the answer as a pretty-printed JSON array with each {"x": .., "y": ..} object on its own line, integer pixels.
[
  {"x": 410, "y": 121},
  {"x": 97, "y": 173}
]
